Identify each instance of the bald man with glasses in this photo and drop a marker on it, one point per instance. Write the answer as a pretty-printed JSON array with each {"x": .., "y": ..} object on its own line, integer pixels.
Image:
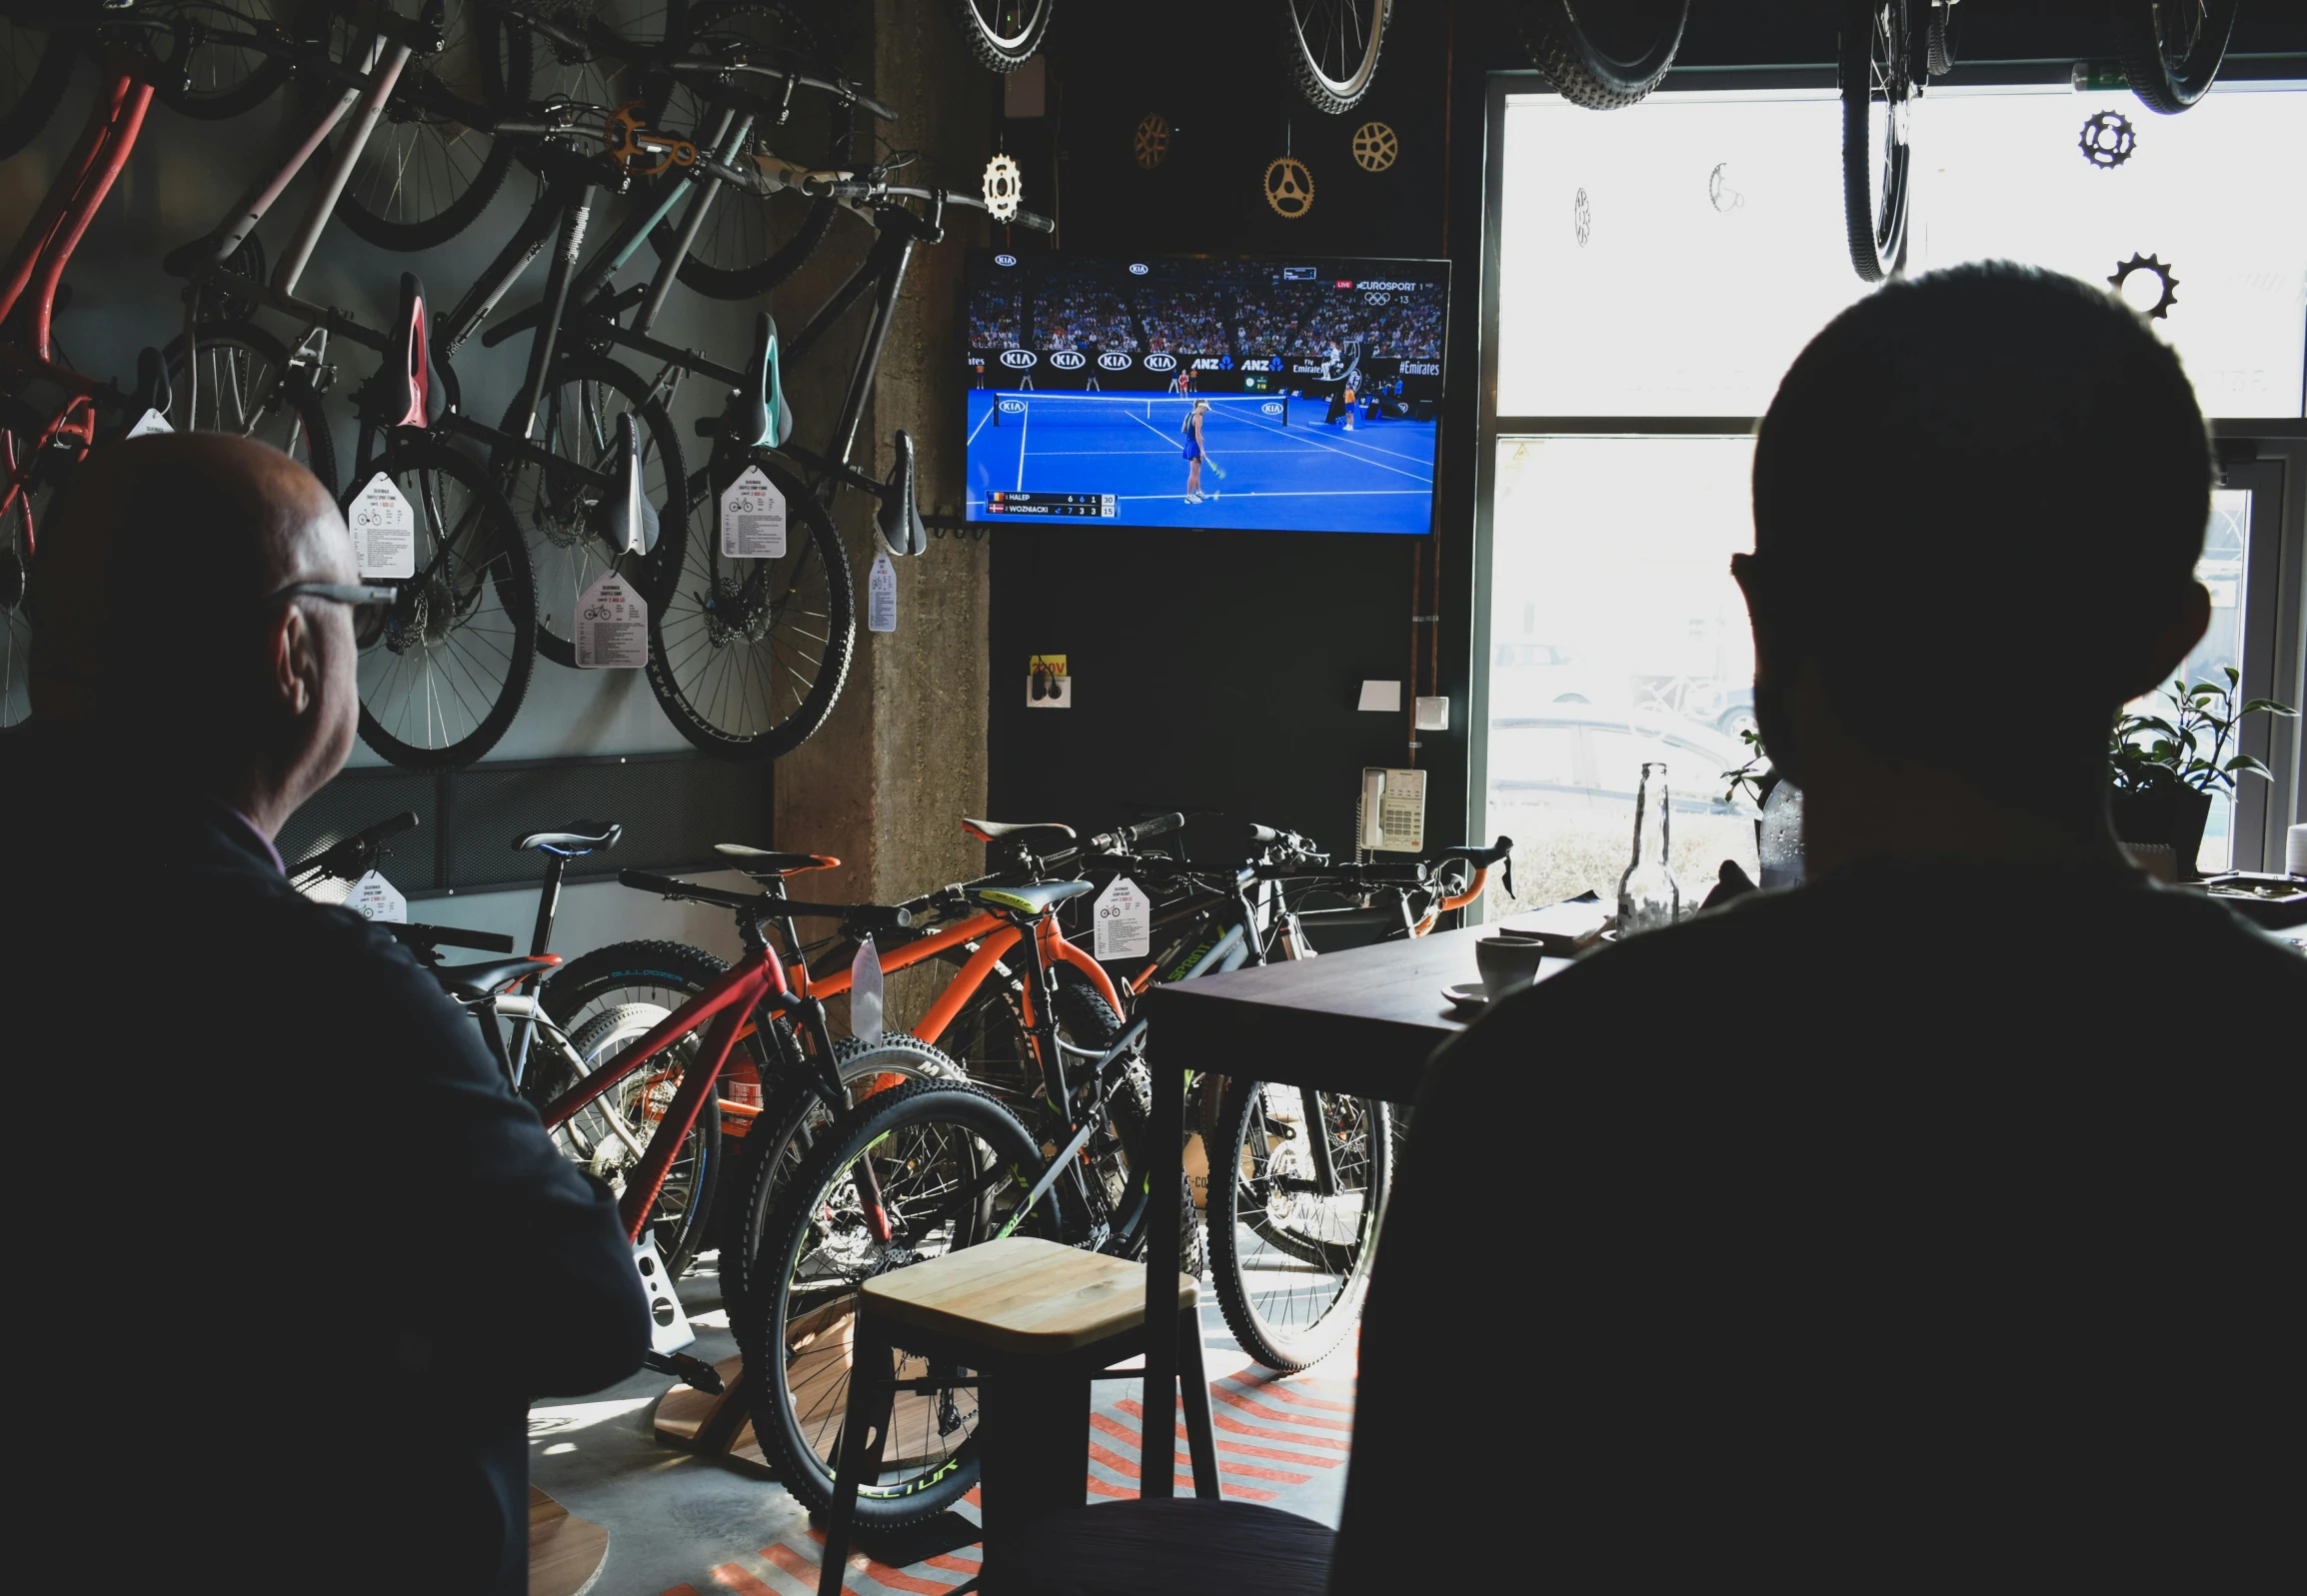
[{"x": 336, "y": 1258}]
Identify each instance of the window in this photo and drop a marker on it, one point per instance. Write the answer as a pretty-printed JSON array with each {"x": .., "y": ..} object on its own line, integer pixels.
[{"x": 1654, "y": 274}]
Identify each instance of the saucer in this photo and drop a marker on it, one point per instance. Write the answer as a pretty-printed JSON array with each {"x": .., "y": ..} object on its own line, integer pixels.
[{"x": 1470, "y": 997}]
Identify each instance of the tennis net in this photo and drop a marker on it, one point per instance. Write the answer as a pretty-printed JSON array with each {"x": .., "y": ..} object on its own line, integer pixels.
[{"x": 1164, "y": 413}]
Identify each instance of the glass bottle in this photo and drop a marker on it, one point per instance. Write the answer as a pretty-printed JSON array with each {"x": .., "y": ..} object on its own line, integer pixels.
[{"x": 1648, "y": 894}]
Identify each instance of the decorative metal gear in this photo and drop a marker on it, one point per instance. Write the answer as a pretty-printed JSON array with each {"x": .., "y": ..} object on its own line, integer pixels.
[
  {"x": 2108, "y": 140},
  {"x": 1003, "y": 187},
  {"x": 1150, "y": 144},
  {"x": 1720, "y": 192},
  {"x": 1582, "y": 219},
  {"x": 1288, "y": 187},
  {"x": 1374, "y": 146},
  {"x": 2163, "y": 279}
]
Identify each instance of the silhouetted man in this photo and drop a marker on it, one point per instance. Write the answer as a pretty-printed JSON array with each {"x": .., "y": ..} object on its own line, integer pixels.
[
  {"x": 295, "y": 1259},
  {"x": 1934, "y": 1224}
]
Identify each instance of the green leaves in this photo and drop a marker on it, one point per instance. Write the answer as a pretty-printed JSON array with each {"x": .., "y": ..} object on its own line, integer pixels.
[{"x": 2150, "y": 750}]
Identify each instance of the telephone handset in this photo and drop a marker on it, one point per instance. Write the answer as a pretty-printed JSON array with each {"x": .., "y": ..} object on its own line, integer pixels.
[{"x": 1392, "y": 811}]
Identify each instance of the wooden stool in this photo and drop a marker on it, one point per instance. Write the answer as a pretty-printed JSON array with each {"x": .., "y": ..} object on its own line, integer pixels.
[{"x": 1038, "y": 1323}]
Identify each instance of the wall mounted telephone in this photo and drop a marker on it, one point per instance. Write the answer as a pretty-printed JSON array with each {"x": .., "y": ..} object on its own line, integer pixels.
[{"x": 1392, "y": 811}]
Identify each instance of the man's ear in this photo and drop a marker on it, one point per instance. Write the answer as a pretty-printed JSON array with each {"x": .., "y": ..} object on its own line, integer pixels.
[
  {"x": 292, "y": 666},
  {"x": 2167, "y": 648}
]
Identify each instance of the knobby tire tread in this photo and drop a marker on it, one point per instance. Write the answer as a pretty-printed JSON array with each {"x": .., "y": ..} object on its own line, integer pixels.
[
  {"x": 1308, "y": 81},
  {"x": 1578, "y": 71},
  {"x": 987, "y": 51}
]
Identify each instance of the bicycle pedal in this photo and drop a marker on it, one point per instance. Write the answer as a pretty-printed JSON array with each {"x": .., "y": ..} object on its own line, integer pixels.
[{"x": 669, "y": 1328}]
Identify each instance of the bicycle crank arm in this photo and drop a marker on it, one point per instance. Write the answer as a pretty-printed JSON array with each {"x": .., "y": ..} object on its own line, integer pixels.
[{"x": 689, "y": 1372}]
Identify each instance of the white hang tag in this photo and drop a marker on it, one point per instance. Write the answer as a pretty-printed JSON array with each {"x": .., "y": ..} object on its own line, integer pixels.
[
  {"x": 152, "y": 420},
  {"x": 753, "y": 517},
  {"x": 1124, "y": 921},
  {"x": 373, "y": 897},
  {"x": 882, "y": 595},
  {"x": 865, "y": 993},
  {"x": 612, "y": 626},
  {"x": 383, "y": 527}
]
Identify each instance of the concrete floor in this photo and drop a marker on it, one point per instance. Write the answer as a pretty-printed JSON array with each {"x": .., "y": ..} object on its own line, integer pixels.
[{"x": 685, "y": 1526}]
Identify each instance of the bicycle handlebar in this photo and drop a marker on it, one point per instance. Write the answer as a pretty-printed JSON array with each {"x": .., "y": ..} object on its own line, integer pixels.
[
  {"x": 450, "y": 936},
  {"x": 346, "y": 859},
  {"x": 1289, "y": 841},
  {"x": 764, "y": 906},
  {"x": 1125, "y": 838},
  {"x": 1410, "y": 873},
  {"x": 1481, "y": 858},
  {"x": 818, "y": 185}
]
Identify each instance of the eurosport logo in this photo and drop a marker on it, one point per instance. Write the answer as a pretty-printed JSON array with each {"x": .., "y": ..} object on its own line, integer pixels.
[
  {"x": 1068, "y": 359},
  {"x": 1399, "y": 288},
  {"x": 1421, "y": 368},
  {"x": 1004, "y": 260},
  {"x": 1272, "y": 407},
  {"x": 1136, "y": 268},
  {"x": 1012, "y": 406},
  {"x": 1019, "y": 358},
  {"x": 1113, "y": 363},
  {"x": 1160, "y": 363}
]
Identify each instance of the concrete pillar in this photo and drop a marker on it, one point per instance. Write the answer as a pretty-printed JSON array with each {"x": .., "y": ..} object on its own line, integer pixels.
[{"x": 902, "y": 757}]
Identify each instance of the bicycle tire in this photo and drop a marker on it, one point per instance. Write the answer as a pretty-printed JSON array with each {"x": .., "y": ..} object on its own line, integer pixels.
[
  {"x": 682, "y": 1214},
  {"x": 1942, "y": 39},
  {"x": 434, "y": 120},
  {"x": 1309, "y": 27},
  {"x": 38, "y": 70},
  {"x": 223, "y": 80},
  {"x": 247, "y": 387},
  {"x": 556, "y": 72},
  {"x": 1010, "y": 38},
  {"x": 16, "y": 567},
  {"x": 798, "y": 1434},
  {"x": 2166, "y": 83},
  {"x": 737, "y": 253},
  {"x": 1124, "y": 1157},
  {"x": 784, "y": 1131},
  {"x": 1602, "y": 57},
  {"x": 1873, "y": 62},
  {"x": 560, "y": 526},
  {"x": 718, "y": 605},
  {"x": 1244, "y": 1207},
  {"x": 445, "y": 600}
]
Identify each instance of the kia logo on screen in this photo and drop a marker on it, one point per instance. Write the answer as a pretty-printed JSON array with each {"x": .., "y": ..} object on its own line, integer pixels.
[
  {"x": 1136, "y": 268},
  {"x": 1012, "y": 406},
  {"x": 1020, "y": 358},
  {"x": 1272, "y": 407},
  {"x": 1115, "y": 363},
  {"x": 1160, "y": 363},
  {"x": 1004, "y": 260},
  {"x": 1068, "y": 359}
]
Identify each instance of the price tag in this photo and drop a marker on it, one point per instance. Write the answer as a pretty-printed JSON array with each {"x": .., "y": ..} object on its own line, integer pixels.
[
  {"x": 383, "y": 527},
  {"x": 753, "y": 517},
  {"x": 882, "y": 595},
  {"x": 865, "y": 993},
  {"x": 373, "y": 897},
  {"x": 612, "y": 626},
  {"x": 1124, "y": 921},
  {"x": 152, "y": 420}
]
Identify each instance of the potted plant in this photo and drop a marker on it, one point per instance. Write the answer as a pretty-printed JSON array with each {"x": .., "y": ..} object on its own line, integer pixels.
[{"x": 2164, "y": 769}]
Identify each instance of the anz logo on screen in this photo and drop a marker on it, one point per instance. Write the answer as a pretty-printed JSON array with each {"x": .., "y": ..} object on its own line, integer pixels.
[
  {"x": 1160, "y": 363},
  {"x": 1019, "y": 358},
  {"x": 1113, "y": 363},
  {"x": 1068, "y": 359}
]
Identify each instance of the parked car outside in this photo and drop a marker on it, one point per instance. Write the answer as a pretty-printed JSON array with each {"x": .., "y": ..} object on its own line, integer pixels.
[{"x": 1526, "y": 677}]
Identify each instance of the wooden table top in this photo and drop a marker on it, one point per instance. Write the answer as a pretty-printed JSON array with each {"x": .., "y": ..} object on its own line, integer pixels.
[{"x": 1021, "y": 1296}]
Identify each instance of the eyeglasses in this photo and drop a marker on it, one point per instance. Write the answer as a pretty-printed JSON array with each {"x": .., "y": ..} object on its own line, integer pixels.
[{"x": 370, "y": 604}]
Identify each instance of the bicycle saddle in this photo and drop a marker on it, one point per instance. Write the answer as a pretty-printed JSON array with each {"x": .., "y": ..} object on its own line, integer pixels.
[
  {"x": 995, "y": 831},
  {"x": 758, "y": 415},
  {"x": 579, "y": 839},
  {"x": 627, "y": 519},
  {"x": 474, "y": 983},
  {"x": 1029, "y": 900},
  {"x": 409, "y": 391},
  {"x": 901, "y": 513},
  {"x": 762, "y": 864}
]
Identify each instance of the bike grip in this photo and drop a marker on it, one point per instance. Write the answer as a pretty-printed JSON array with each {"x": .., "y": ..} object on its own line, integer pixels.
[
  {"x": 1158, "y": 826},
  {"x": 870, "y": 917},
  {"x": 1481, "y": 858},
  {"x": 1033, "y": 222}
]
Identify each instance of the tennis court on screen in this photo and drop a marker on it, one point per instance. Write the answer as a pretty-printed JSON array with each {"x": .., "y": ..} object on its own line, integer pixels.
[{"x": 1285, "y": 470}]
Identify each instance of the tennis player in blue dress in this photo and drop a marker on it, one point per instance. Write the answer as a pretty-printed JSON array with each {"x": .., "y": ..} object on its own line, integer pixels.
[{"x": 1193, "y": 452}]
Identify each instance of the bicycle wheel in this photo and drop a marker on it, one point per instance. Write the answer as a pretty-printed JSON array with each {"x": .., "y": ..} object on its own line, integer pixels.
[
  {"x": 1604, "y": 56},
  {"x": 1329, "y": 48},
  {"x": 952, "y": 1166},
  {"x": 562, "y": 515},
  {"x": 18, "y": 526},
  {"x": 1290, "y": 1264},
  {"x": 581, "y": 65},
  {"x": 1874, "y": 63},
  {"x": 784, "y": 1131},
  {"x": 35, "y": 67},
  {"x": 443, "y": 675},
  {"x": 2172, "y": 52},
  {"x": 224, "y": 79},
  {"x": 248, "y": 387},
  {"x": 751, "y": 242},
  {"x": 430, "y": 168},
  {"x": 747, "y": 657},
  {"x": 608, "y": 1135},
  {"x": 1003, "y": 35}
]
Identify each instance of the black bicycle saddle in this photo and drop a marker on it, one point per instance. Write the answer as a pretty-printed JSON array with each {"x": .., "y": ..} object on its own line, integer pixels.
[
  {"x": 995, "y": 831},
  {"x": 762, "y": 864},
  {"x": 576, "y": 840},
  {"x": 901, "y": 514},
  {"x": 476, "y": 981}
]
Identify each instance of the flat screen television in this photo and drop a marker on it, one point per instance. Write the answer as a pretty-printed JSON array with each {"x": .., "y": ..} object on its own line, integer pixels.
[{"x": 1320, "y": 381}]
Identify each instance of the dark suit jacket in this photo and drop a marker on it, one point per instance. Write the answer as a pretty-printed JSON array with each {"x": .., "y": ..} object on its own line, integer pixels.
[
  {"x": 315, "y": 1259},
  {"x": 1907, "y": 1231}
]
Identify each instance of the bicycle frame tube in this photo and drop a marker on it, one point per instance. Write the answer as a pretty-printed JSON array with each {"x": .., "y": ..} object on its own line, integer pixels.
[
  {"x": 703, "y": 191},
  {"x": 260, "y": 195},
  {"x": 114, "y": 121},
  {"x": 371, "y": 107}
]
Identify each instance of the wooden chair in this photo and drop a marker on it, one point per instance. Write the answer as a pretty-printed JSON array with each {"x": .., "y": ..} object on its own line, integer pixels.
[{"x": 1038, "y": 1323}]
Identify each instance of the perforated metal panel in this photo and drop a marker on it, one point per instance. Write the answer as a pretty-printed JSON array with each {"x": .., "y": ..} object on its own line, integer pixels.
[{"x": 673, "y": 807}]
